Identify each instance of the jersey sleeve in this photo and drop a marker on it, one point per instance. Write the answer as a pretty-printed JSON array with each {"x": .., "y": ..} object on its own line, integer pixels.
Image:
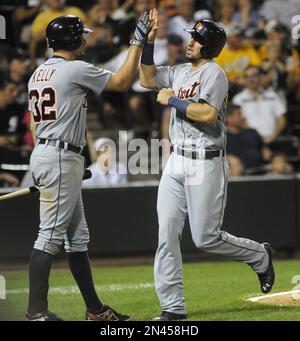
[
  {"x": 90, "y": 76},
  {"x": 164, "y": 76},
  {"x": 214, "y": 87}
]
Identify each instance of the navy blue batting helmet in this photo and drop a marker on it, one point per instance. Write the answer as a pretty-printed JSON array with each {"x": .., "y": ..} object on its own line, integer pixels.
[
  {"x": 65, "y": 33},
  {"x": 210, "y": 35}
]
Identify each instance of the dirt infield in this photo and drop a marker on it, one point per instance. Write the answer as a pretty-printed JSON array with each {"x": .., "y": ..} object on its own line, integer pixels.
[{"x": 288, "y": 298}]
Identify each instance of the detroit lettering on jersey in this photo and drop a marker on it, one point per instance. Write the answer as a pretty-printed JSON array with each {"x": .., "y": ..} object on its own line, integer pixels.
[
  {"x": 207, "y": 83},
  {"x": 189, "y": 92},
  {"x": 57, "y": 93}
]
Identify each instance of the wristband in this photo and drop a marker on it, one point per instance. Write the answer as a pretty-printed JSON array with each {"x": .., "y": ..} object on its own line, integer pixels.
[
  {"x": 147, "y": 54},
  {"x": 179, "y": 104}
]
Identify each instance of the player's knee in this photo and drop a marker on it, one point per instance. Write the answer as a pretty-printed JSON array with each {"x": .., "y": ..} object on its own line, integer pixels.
[
  {"x": 48, "y": 247},
  {"x": 76, "y": 248},
  {"x": 205, "y": 242},
  {"x": 77, "y": 245},
  {"x": 170, "y": 230}
]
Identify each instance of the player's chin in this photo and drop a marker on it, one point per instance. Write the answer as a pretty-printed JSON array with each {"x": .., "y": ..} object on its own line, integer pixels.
[{"x": 190, "y": 58}]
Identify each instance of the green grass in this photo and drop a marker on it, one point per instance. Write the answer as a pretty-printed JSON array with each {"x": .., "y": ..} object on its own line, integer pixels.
[{"x": 213, "y": 291}]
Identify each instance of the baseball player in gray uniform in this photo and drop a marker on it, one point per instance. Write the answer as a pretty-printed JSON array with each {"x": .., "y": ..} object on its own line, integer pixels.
[
  {"x": 195, "y": 178},
  {"x": 57, "y": 99}
]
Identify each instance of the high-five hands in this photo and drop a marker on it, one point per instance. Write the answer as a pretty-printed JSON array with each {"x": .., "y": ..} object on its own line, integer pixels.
[
  {"x": 141, "y": 30},
  {"x": 153, "y": 17}
]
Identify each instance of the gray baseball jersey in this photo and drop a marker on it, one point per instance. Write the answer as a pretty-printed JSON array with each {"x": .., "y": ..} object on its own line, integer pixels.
[
  {"x": 203, "y": 200},
  {"x": 57, "y": 97},
  {"x": 208, "y": 83}
]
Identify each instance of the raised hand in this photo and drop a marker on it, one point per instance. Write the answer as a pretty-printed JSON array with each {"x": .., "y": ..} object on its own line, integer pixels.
[
  {"x": 141, "y": 30},
  {"x": 153, "y": 17}
]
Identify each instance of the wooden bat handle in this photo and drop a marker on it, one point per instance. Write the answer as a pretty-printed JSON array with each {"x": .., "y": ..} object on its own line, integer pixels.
[{"x": 19, "y": 193}]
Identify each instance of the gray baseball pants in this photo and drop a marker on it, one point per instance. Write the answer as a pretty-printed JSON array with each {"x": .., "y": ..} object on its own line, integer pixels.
[
  {"x": 204, "y": 202},
  {"x": 58, "y": 174}
]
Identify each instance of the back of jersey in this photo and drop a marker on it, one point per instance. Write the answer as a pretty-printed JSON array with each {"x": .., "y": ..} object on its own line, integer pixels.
[{"x": 57, "y": 98}]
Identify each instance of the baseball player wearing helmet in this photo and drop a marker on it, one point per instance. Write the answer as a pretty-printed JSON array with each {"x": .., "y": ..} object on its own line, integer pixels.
[
  {"x": 194, "y": 181},
  {"x": 57, "y": 99}
]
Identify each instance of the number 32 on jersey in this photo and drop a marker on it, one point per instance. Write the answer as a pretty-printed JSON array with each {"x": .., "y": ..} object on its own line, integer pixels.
[{"x": 43, "y": 104}]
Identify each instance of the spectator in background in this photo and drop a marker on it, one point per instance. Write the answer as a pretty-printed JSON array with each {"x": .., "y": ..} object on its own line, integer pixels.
[
  {"x": 186, "y": 18},
  {"x": 99, "y": 43},
  {"x": 18, "y": 74},
  {"x": 106, "y": 170},
  {"x": 175, "y": 50},
  {"x": 262, "y": 108},
  {"x": 93, "y": 14},
  {"x": 280, "y": 59},
  {"x": 248, "y": 18},
  {"x": 160, "y": 46},
  {"x": 276, "y": 74},
  {"x": 237, "y": 55},
  {"x": 106, "y": 12},
  {"x": 242, "y": 142},
  {"x": 170, "y": 6},
  {"x": 126, "y": 28},
  {"x": 279, "y": 165},
  {"x": 236, "y": 167},
  {"x": 10, "y": 115},
  {"x": 122, "y": 9},
  {"x": 225, "y": 11},
  {"x": 54, "y": 9},
  {"x": 25, "y": 13},
  {"x": 8, "y": 180},
  {"x": 100, "y": 46},
  {"x": 281, "y": 35}
]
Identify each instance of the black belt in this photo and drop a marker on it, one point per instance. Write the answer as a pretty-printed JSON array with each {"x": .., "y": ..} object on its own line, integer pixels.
[
  {"x": 195, "y": 154},
  {"x": 61, "y": 145}
]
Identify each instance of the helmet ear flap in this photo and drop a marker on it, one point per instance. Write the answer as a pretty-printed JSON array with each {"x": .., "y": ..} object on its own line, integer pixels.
[
  {"x": 74, "y": 44},
  {"x": 205, "y": 52}
]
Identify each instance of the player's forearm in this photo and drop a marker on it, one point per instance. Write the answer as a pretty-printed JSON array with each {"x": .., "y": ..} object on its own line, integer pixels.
[
  {"x": 147, "y": 68},
  {"x": 202, "y": 112},
  {"x": 198, "y": 112},
  {"x": 147, "y": 76},
  {"x": 128, "y": 70}
]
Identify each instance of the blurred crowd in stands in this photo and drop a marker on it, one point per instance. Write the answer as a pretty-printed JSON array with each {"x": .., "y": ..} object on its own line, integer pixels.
[{"x": 261, "y": 59}]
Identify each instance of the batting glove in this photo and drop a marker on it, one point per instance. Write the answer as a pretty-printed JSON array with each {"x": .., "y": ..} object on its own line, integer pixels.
[{"x": 141, "y": 30}]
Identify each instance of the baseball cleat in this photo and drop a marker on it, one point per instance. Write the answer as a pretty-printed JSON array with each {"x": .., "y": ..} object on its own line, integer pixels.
[
  {"x": 106, "y": 314},
  {"x": 166, "y": 316},
  {"x": 44, "y": 316},
  {"x": 267, "y": 278}
]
